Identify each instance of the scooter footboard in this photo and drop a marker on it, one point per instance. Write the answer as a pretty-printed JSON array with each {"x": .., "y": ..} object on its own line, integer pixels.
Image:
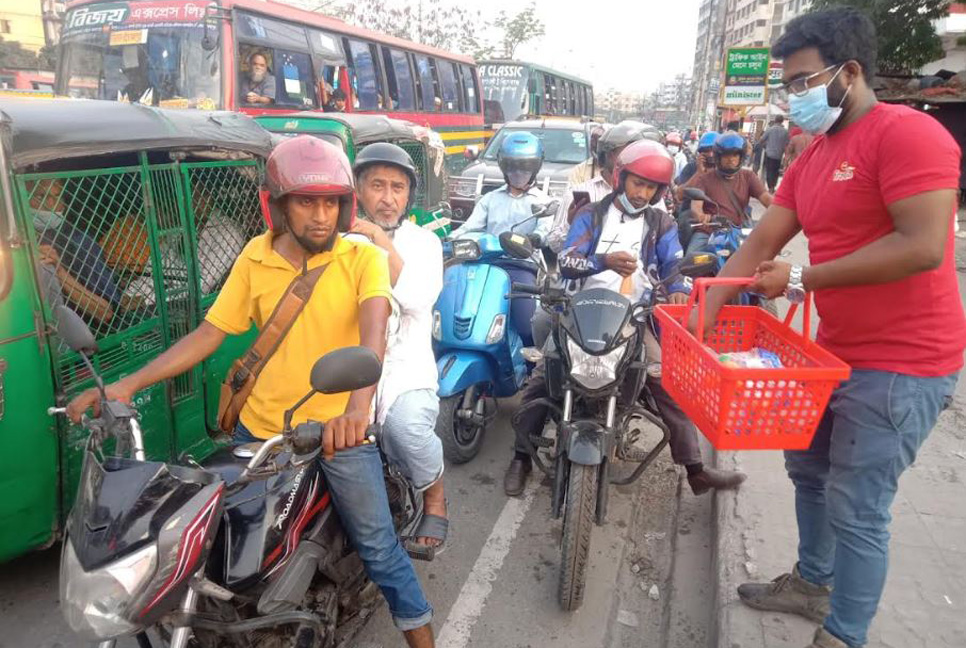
[{"x": 458, "y": 371}]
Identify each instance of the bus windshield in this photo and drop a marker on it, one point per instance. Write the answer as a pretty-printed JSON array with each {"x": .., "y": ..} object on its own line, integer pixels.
[
  {"x": 505, "y": 92},
  {"x": 147, "y": 53}
]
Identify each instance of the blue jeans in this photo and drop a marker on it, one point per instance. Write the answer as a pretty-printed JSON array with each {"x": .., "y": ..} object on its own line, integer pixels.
[
  {"x": 355, "y": 481},
  {"x": 846, "y": 482}
]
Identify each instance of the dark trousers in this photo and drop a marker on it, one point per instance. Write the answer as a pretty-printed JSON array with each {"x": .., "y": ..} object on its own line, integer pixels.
[
  {"x": 773, "y": 167},
  {"x": 531, "y": 421}
]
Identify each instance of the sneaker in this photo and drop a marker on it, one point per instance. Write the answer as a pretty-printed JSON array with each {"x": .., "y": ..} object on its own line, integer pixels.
[
  {"x": 788, "y": 593},
  {"x": 825, "y": 639}
]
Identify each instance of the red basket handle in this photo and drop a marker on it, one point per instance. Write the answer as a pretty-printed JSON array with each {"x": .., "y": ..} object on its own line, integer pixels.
[{"x": 701, "y": 285}]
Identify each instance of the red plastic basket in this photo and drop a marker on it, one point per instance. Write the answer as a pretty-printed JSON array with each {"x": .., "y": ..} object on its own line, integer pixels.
[{"x": 747, "y": 409}]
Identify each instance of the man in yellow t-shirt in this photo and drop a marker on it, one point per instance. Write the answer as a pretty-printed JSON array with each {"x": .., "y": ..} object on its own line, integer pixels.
[{"x": 311, "y": 200}]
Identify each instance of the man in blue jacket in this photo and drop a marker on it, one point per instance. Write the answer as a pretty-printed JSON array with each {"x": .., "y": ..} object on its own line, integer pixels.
[{"x": 623, "y": 244}]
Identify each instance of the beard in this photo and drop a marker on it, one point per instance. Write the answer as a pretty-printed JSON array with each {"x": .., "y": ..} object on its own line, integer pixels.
[
  {"x": 258, "y": 77},
  {"x": 837, "y": 94},
  {"x": 313, "y": 247}
]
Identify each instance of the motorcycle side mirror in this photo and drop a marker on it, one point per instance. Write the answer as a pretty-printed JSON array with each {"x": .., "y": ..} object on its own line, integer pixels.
[
  {"x": 542, "y": 211},
  {"x": 693, "y": 193},
  {"x": 74, "y": 330},
  {"x": 701, "y": 264},
  {"x": 517, "y": 246},
  {"x": 346, "y": 370}
]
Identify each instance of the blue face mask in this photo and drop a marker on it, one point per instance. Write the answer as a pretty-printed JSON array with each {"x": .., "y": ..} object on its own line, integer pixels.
[
  {"x": 627, "y": 207},
  {"x": 812, "y": 112}
]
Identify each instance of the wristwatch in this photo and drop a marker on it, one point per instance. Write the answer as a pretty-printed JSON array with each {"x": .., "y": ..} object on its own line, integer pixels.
[{"x": 795, "y": 290}]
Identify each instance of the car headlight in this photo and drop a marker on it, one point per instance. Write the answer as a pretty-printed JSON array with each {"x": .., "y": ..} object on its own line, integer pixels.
[
  {"x": 96, "y": 603},
  {"x": 592, "y": 371},
  {"x": 437, "y": 326},
  {"x": 497, "y": 329}
]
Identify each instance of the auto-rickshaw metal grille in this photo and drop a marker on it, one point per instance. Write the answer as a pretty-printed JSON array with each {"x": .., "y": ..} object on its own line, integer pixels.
[{"x": 139, "y": 252}]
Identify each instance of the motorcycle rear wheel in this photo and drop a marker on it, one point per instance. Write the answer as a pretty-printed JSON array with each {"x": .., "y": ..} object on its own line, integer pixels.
[
  {"x": 461, "y": 441},
  {"x": 578, "y": 522}
]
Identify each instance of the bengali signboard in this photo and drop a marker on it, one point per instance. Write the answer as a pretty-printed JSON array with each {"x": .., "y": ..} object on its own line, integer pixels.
[
  {"x": 746, "y": 76},
  {"x": 133, "y": 16}
]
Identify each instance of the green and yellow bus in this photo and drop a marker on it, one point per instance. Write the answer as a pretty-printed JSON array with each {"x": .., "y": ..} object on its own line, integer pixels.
[{"x": 513, "y": 90}]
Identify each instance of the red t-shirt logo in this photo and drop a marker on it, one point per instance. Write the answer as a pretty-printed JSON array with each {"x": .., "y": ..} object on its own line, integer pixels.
[{"x": 845, "y": 172}]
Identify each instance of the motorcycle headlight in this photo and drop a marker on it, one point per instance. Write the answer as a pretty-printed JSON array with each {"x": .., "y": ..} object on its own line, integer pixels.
[
  {"x": 496, "y": 329},
  {"x": 437, "y": 326},
  {"x": 592, "y": 371},
  {"x": 95, "y": 603}
]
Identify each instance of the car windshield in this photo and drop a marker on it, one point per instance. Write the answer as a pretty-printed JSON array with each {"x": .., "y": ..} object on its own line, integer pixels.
[
  {"x": 563, "y": 146},
  {"x": 162, "y": 66}
]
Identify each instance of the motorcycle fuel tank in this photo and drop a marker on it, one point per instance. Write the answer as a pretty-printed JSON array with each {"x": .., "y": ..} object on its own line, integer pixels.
[{"x": 263, "y": 521}]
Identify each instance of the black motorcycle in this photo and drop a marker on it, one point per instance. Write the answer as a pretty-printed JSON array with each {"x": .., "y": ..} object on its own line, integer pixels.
[
  {"x": 596, "y": 374},
  {"x": 245, "y": 550}
]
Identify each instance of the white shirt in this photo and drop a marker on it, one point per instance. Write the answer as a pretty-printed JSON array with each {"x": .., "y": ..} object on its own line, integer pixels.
[
  {"x": 409, "y": 363},
  {"x": 618, "y": 236},
  {"x": 680, "y": 161},
  {"x": 597, "y": 188},
  {"x": 220, "y": 242}
]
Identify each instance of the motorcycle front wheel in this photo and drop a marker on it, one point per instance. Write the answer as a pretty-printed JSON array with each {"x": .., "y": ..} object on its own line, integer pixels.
[
  {"x": 461, "y": 439},
  {"x": 578, "y": 522}
]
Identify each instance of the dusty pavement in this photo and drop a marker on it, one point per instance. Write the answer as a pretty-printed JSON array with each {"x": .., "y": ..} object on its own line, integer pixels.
[
  {"x": 924, "y": 604},
  {"x": 495, "y": 586}
]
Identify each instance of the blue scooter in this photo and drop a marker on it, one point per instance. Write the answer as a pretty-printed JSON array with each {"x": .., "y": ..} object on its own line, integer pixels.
[{"x": 479, "y": 353}]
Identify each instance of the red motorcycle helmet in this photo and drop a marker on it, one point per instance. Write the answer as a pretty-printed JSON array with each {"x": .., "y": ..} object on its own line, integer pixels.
[
  {"x": 674, "y": 139},
  {"x": 648, "y": 160},
  {"x": 307, "y": 165}
]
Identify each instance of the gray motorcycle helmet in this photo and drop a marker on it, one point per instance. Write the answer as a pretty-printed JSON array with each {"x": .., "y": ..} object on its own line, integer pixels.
[{"x": 619, "y": 136}]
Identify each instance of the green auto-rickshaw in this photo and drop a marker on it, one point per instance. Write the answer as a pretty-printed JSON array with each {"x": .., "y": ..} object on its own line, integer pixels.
[
  {"x": 132, "y": 216},
  {"x": 353, "y": 132}
]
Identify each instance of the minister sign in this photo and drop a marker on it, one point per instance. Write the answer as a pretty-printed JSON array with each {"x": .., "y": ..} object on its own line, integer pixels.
[{"x": 746, "y": 76}]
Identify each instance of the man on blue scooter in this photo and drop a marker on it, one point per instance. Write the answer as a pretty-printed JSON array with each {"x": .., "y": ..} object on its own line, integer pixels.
[{"x": 511, "y": 206}]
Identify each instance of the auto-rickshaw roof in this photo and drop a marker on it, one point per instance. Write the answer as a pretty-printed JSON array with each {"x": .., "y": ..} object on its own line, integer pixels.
[
  {"x": 366, "y": 128},
  {"x": 39, "y": 130}
]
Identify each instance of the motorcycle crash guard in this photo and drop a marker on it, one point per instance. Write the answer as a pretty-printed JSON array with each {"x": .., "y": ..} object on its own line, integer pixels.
[
  {"x": 587, "y": 443},
  {"x": 460, "y": 370}
]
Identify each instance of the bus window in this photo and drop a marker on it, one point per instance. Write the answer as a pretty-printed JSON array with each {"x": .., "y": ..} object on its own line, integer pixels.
[
  {"x": 429, "y": 97},
  {"x": 568, "y": 107},
  {"x": 271, "y": 31},
  {"x": 447, "y": 82},
  {"x": 366, "y": 76},
  {"x": 471, "y": 103},
  {"x": 295, "y": 86},
  {"x": 400, "y": 78}
]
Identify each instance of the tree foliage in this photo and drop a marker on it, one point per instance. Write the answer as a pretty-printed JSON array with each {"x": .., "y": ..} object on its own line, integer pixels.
[
  {"x": 430, "y": 22},
  {"x": 445, "y": 24},
  {"x": 907, "y": 38},
  {"x": 519, "y": 29},
  {"x": 14, "y": 55}
]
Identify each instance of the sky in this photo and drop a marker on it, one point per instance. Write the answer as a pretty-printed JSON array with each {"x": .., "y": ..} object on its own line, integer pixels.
[{"x": 629, "y": 45}]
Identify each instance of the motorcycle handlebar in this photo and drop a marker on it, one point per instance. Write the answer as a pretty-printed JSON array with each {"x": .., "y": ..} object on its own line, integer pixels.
[{"x": 525, "y": 289}]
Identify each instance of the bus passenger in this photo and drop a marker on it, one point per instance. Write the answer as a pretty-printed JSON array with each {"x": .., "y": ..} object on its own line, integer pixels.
[{"x": 259, "y": 87}]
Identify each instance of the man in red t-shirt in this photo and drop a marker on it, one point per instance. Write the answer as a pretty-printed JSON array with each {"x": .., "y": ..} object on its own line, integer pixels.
[{"x": 875, "y": 194}]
